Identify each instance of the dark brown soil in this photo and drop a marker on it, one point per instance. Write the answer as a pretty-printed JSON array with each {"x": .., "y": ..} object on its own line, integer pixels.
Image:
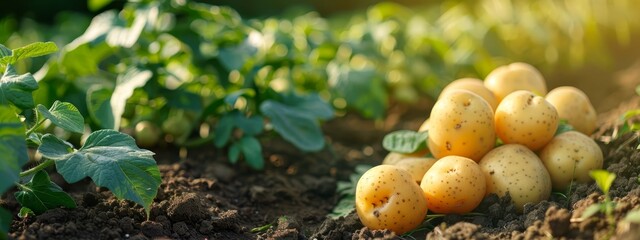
[{"x": 203, "y": 196}]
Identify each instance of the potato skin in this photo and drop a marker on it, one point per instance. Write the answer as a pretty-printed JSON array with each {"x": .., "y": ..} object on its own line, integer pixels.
[
  {"x": 571, "y": 153},
  {"x": 416, "y": 166},
  {"x": 516, "y": 76},
  {"x": 473, "y": 85},
  {"x": 454, "y": 184},
  {"x": 515, "y": 169},
  {"x": 388, "y": 198},
  {"x": 527, "y": 119},
  {"x": 461, "y": 124},
  {"x": 573, "y": 105}
]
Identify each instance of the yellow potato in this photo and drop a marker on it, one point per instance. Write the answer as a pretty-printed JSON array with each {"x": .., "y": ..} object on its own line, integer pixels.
[
  {"x": 569, "y": 157},
  {"x": 424, "y": 126},
  {"x": 388, "y": 198},
  {"x": 527, "y": 119},
  {"x": 416, "y": 166},
  {"x": 515, "y": 169},
  {"x": 461, "y": 124},
  {"x": 574, "y": 106},
  {"x": 454, "y": 185},
  {"x": 474, "y": 85},
  {"x": 516, "y": 76}
]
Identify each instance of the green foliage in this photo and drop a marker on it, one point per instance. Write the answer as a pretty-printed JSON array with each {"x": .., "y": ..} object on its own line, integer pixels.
[
  {"x": 110, "y": 158},
  {"x": 563, "y": 127},
  {"x": 5, "y": 222},
  {"x": 41, "y": 194},
  {"x": 347, "y": 193},
  {"x": 405, "y": 141},
  {"x": 604, "y": 180}
]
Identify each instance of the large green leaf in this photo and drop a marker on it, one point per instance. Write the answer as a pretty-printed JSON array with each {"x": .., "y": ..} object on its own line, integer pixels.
[
  {"x": 32, "y": 50},
  {"x": 112, "y": 160},
  {"x": 5, "y": 222},
  {"x": 41, "y": 194},
  {"x": 362, "y": 89},
  {"x": 16, "y": 89},
  {"x": 294, "y": 124},
  {"x": 311, "y": 104},
  {"x": 12, "y": 147},
  {"x": 64, "y": 115},
  {"x": 53, "y": 148},
  {"x": 98, "y": 104},
  {"x": 126, "y": 83}
]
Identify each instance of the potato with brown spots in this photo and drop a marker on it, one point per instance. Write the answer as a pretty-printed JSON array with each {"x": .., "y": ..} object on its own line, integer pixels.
[
  {"x": 388, "y": 198},
  {"x": 416, "y": 166},
  {"x": 574, "y": 106},
  {"x": 454, "y": 184},
  {"x": 461, "y": 124},
  {"x": 515, "y": 169},
  {"x": 527, "y": 119},
  {"x": 516, "y": 76},
  {"x": 473, "y": 85},
  {"x": 570, "y": 156}
]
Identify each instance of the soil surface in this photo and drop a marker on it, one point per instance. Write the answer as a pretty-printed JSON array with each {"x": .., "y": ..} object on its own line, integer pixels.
[{"x": 203, "y": 196}]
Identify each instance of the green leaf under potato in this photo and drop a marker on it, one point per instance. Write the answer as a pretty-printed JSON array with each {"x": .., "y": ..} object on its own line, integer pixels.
[
  {"x": 112, "y": 160},
  {"x": 41, "y": 194},
  {"x": 12, "y": 146},
  {"x": 64, "y": 115},
  {"x": 405, "y": 141},
  {"x": 16, "y": 89}
]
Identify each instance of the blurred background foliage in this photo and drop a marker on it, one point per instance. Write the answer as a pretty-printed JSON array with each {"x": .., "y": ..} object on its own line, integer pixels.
[{"x": 215, "y": 61}]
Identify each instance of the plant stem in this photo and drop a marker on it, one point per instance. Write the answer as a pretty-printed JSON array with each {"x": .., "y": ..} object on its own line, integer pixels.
[
  {"x": 34, "y": 127},
  {"x": 35, "y": 169}
]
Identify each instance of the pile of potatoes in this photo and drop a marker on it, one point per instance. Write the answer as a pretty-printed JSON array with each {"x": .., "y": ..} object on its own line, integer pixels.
[{"x": 492, "y": 136}]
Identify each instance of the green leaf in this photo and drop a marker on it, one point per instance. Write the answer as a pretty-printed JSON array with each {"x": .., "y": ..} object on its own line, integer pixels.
[
  {"x": 4, "y": 51},
  {"x": 95, "y": 5},
  {"x": 231, "y": 98},
  {"x": 633, "y": 216},
  {"x": 252, "y": 151},
  {"x": 25, "y": 212},
  {"x": 362, "y": 89},
  {"x": 54, "y": 148},
  {"x": 12, "y": 146},
  {"x": 5, "y": 223},
  {"x": 296, "y": 126},
  {"x": 591, "y": 210},
  {"x": 234, "y": 57},
  {"x": 603, "y": 178},
  {"x": 126, "y": 83},
  {"x": 405, "y": 141},
  {"x": 112, "y": 160},
  {"x": 311, "y": 104},
  {"x": 251, "y": 126},
  {"x": 563, "y": 127},
  {"x": 98, "y": 104},
  {"x": 234, "y": 152},
  {"x": 40, "y": 194},
  {"x": 64, "y": 115},
  {"x": 223, "y": 130},
  {"x": 32, "y": 50},
  {"x": 16, "y": 89},
  {"x": 183, "y": 99}
]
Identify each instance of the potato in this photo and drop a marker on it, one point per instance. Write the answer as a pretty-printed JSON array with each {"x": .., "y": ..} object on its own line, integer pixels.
[
  {"x": 454, "y": 184},
  {"x": 424, "y": 126},
  {"x": 416, "y": 166},
  {"x": 473, "y": 85},
  {"x": 515, "y": 169},
  {"x": 516, "y": 76},
  {"x": 574, "y": 106},
  {"x": 461, "y": 124},
  {"x": 569, "y": 157},
  {"x": 388, "y": 198},
  {"x": 527, "y": 119}
]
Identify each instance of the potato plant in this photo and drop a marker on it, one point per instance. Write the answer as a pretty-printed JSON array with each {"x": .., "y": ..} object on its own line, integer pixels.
[{"x": 110, "y": 158}]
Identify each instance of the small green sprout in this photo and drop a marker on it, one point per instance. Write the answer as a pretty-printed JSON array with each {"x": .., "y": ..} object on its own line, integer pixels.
[{"x": 604, "y": 179}]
